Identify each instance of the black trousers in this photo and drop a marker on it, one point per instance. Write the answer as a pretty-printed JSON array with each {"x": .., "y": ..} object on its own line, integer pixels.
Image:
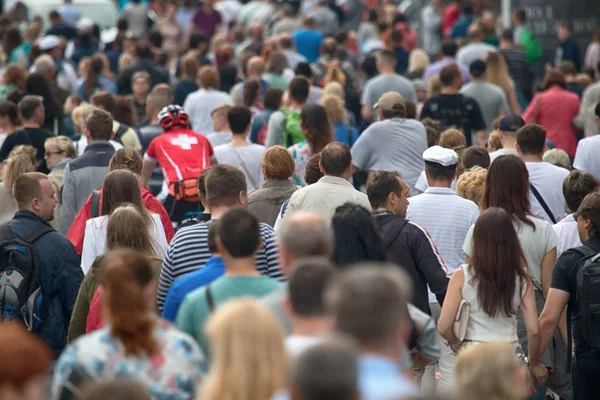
[{"x": 585, "y": 373}]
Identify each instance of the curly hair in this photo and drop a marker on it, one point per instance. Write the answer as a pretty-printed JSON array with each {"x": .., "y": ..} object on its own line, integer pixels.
[{"x": 471, "y": 184}]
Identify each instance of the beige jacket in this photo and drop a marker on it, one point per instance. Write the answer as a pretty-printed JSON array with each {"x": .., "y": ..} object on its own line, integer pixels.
[
  {"x": 8, "y": 206},
  {"x": 325, "y": 196}
]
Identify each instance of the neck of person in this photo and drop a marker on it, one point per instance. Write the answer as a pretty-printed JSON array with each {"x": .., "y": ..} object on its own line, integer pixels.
[
  {"x": 219, "y": 211},
  {"x": 509, "y": 143},
  {"x": 439, "y": 183},
  {"x": 8, "y": 128},
  {"x": 532, "y": 157},
  {"x": 449, "y": 90},
  {"x": 387, "y": 71},
  {"x": 239, "y": 140},
  {"x": 385, "y": 352},
  {"x": 310, "y": 326},
  {"x": 343, "y": 176},
  {"x": 294, "y": 105},
  {"x": 506, "y": 45},
  {"x": 139, "y": 98},
  {"x": 569, "y": 78},
  {"x": 31, "y": 124},
  {"x": 245, "y": 266},
  {"x": 386, "y": 207},
  {"x": 475, "y": 79}
]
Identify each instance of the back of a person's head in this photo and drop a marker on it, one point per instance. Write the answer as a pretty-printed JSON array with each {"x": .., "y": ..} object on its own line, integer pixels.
[
  {"x": 277, "y": 163},
  {"x": 225, "y": 186},
  {"x": 307, "y": 284},
  {"x": 21, "y": 160},
  {"x": 238, "y": 233},
  {"x": 143, "y": 50},
  {"x": 449, "y": 48},
  {"x": 590, "y": 209},
  {"x": 99, "y": 125},
  {"x": 273, "y": 98},
  {"x": 336, "y": 159},
  {"x": 449, "y": 74},
  {"x": 316, "y": 127},
  {"x": 239, "y": 119},
  {"x": 303, "y": 70},
  {"x": 29, "y": 106},
  {"x": 298, "y": 89},
  {"x": 557, "y": 157},
  {"x": 121, "y": 186},
  {"x": 356, "y": 239},
  {"x": 369, "y": 303},
  {"x": 477, "y": 68},
  {"x": 208, "y": 78},
  {"x": 105, "y": 100},
  {"x": 116, "y": 390},
  {"x": 386, "y": 58},
  {"x": 128, "y": 229},
  {"x": 490, "y": 371},
  {"x": 158, "y": 100},
  {"x": 9, "y": 110},
  {"x": 28, "y": 187},
  {"x": 508, "y": 35},
  {"x": 126, "y": 276},
  {"x": 327, "y": 370},
  {"x": 471, "y": 184},
  {"x": 475, "y": 156},
  {"x": 128, "y": 159},
  {"x": 313, "y": 172},
  {"x": 26, "y": 362},
  {"x": 246, "y": 341},
  {"x": 576, "y": 186},
  {"x": 190, "y": 66},
  {"x": 495, "y": 244},
  {"x": 304, "y": 234},
  {"x": 554, "y": 78},
  {"x": 567, "y": 68},
  {"x": 531, "y": 139}
]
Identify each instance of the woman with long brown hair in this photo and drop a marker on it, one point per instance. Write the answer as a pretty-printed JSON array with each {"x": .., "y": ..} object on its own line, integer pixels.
[
  {"x": 95, "y": 80},
  {"x": 497, "y": 73},
  {"x": 136, "y": 344},
  {"x": 496, "y": 286},
  {"x": 120, "y": 186},
  {"x": 318, "y": 133}
]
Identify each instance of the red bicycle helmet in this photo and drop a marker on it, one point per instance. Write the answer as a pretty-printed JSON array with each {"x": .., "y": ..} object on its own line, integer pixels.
[{"x": 173, "y": 116}]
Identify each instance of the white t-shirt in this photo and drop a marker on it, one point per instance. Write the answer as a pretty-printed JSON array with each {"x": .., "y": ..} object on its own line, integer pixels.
[
  {"x": 219, "y": 138},
  {"x": 502, "y": 152},
  {"x": 568, "y": 235},
  {"x": 94, "y": 240},
  {"x": 422, "y": 185},
  {"x": 252, "y": 161},
  {"x": 548, "y": 180},
  {"x": 586, "y": 157},
  {"x": 535, "y": 243},
  {"x": 297, "y": 344},
  {"x": 200, "y": 104}
]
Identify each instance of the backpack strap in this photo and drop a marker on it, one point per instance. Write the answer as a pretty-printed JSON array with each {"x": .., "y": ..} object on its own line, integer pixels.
[
  {"x": 37, "y": 233},
  {"x": 210, "y": 300},
  {"x": 120, "y": 132},
  {"x": 540, "y": 200},
  {"x": 5, "y": 232},
  {"x": 95, "y": 209}
]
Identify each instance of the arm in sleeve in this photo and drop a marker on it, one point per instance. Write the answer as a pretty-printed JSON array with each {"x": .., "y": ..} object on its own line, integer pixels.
[
  {"x": 76, "y": 232},
  {"x": 275, "y": 129},
  {"x": 532, "y": 110},
  {"x": 6, "y": 148},
  {"x": 89, "y": 254},
  {"x": 70, "y": 277},
  {"x": 186, "y": 319},
  {"x": 68, "y": 208},
  {"x": 172, "y": 304},
  {"x": 65, "y": 364},
  {"x": 81, "y": 309},
  {"x": 272, "y": 255},
  {"x": 361, "y": 152},
  {"x": 477, "y": 117},
  {"x": 430, "y": 263},
  {"x": 166, "y": 277}
]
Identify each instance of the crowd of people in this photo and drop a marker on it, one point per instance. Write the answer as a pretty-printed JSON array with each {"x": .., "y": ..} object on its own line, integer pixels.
[{"x": 308, "y": 200}]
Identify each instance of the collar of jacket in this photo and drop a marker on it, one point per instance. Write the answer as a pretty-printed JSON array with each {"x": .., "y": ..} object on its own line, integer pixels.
[
  {"x": 26, "y": 214},
  {"x": 61, "y": 164},
  {"x": 99, "y": 145},
  {"x": 277, "y": 182},
  {"x": 335, "y": 180}
]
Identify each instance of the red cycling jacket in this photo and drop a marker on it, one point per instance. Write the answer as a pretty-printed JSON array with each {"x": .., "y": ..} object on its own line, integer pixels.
[{"x": 77, "y": 230}]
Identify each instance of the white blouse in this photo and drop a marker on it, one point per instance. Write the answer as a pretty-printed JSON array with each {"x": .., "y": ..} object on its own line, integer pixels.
[{"x": 94, "y": 241}]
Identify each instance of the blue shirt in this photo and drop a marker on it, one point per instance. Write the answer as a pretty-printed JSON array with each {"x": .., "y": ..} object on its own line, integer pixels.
[
  {"x": 345, "y": 134},
  {"x": 380, "y": 378},
  {"x": 104, "y": 85},
  {"x": 213, "y": 269},
  {"x": 308, "y": 43},
  {"x": 461, "y": 27}
]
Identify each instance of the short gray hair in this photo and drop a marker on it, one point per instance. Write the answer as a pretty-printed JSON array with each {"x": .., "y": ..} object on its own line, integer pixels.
[
  {"x": 369, "y": 301},
  {"x": 306, "y": 234},
  {"x": 44, "y": 64}
]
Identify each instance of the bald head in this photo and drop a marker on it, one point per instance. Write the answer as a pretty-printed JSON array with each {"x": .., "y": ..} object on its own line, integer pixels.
[
  {"x": 303, "y": 234},
  {"x": 336, "y": 159},
  {"x": 256, "y": 67},
  {"x": 329, "y": 47},
  {"x": 475, "y": 33},
  {"x": 46, "y": 66},
  {"x": 256, "y": 31}
]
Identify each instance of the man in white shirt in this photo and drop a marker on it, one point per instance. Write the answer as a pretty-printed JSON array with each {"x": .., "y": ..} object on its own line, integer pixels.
[
  {"x": 333, "y": 189},
  {"x": 545, "y": 179},
  {"x": 576, "y": 186},
  {"x": 476, "y": 49},
  {"x": 305, "y": 304},
  {"x": 448, "y": 226},
  {"x": 588, "y": 149},
  {"x": 507, "y": 132},
  {"x": 200, "y": 104}
]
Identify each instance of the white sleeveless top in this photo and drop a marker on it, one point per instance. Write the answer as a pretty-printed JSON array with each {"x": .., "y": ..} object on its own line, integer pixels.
[{"x": 482, "y": 327}]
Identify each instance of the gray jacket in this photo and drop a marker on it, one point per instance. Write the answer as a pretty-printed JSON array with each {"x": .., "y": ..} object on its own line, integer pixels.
[
  {"x": 265, "y": 203},
  {"x": 83, "y": 175}
]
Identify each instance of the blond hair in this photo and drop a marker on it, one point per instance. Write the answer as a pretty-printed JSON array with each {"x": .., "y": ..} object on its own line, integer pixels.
[
  {"x": 63, "y": 144},
  {"x": 335, "y": 89},
  {"x": 80, "y": 114},
  {"x": 127, "y": 158},
  {"x": 334, "y": 106},
  {"x": 20, "y": 161},
  {"x": 418, "y": 61},
  {"x": 246, "y": 342},
  {"x": 487, "y": 371},
  {"x": 471, "y": 184},
  {"x": 434, "y": 85},
  {"x": 455, "y": 140},
  {"x": 497, "y": 71},
  {"x": 126, "y": 61},
  {"x": 128, "y": 229}
]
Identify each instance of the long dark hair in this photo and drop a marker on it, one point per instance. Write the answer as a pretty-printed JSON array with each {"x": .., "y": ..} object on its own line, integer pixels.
[
  {"x": 122, "y": 186},
  {"x": 11, "y": 40},
  {"x": 497, "y": 262},
  {"x": 316, "y": 127},
  {"x": 36, "y": 84},
  {"x": 507, "y": 187},
  {"x": 356, "y": 239},
  {"x": 92, "y": 80},
  {"x": 251, "y": 91}
]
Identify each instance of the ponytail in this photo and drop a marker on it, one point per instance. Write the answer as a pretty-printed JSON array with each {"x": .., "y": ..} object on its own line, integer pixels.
[
  {"x": 92, "y": 80},
  {"x": 126, "y": 275}
]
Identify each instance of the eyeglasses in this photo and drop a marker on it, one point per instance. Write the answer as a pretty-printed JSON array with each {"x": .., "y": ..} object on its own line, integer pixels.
[{"x": 50, "y": 153}]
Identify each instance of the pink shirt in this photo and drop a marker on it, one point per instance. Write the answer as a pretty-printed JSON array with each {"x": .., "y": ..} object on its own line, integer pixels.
[{"x": 555, "y": 109}]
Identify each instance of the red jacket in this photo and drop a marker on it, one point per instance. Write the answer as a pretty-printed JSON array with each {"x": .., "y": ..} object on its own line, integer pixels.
[
  {"x": 77, "y": 230},
  {"x": 95, "y": 319}
]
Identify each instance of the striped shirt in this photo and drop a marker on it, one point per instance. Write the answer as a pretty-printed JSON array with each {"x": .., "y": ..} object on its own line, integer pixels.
[
  {"x": 447, "y": 218},
  {"x": 189, "y": 252},
  {"x": 518, "y": 69}
]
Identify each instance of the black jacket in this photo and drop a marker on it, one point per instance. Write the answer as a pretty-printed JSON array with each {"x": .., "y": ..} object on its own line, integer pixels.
[{"x": 410, "y": 246}]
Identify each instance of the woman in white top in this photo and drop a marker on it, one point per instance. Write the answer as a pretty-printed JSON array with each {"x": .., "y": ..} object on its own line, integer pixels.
[
  {"x": 120, "y": 186},
  {"x": 496, "y": 285}
]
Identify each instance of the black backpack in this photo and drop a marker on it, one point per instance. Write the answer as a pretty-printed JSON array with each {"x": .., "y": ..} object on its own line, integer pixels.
[
  {"x": 588, "y": 296},
  {"x": 20, "y": 285}
]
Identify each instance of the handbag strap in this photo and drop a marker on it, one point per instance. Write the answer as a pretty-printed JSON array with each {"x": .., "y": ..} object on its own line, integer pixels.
[
  {"x": 540, "y": 200},
  {"x": 244, "y": 167},
  {"x": 210, "y": 300}
]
